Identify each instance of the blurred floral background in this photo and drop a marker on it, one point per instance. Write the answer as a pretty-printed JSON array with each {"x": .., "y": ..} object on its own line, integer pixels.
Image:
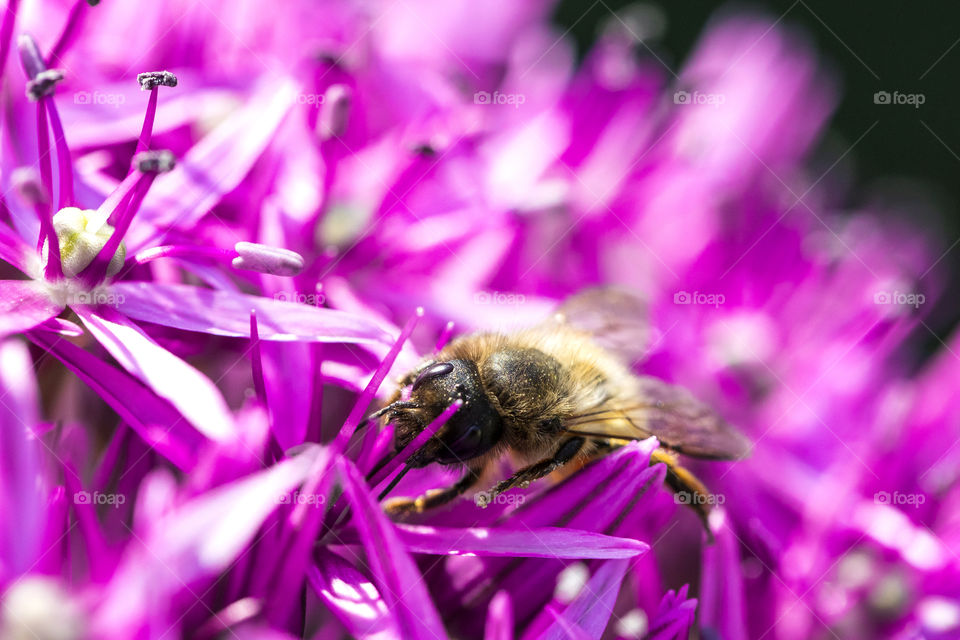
[{"x": 227, "y": 229}]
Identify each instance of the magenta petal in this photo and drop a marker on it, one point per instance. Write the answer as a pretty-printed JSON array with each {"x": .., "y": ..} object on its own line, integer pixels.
[
  {"x": 23, "y": 305},
  {"x": 12, "y": 249},
  {"x": 60, "y": 327},
  {"x": 590, "y": 611},
  {"x": 191, "y": 392},
  {"x": 20, "y": 498},
  {"x": 721, "y": 592},
  {"x": 351, "y": 597},
  {"x": 154, "y": 419},
  {"x": 398, "y": 578},
  {"x": 548, "y": 542},
  {"x": 674, "y": 616},
  {"x": 499, "y": 618},
  {"x": 215, "y": 165},
  {"x": 198, "y": 539},
  {"x": 228, "y": 314}
]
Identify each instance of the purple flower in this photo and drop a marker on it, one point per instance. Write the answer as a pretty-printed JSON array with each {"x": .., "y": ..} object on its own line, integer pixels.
[{"x": 346, "y": 169}]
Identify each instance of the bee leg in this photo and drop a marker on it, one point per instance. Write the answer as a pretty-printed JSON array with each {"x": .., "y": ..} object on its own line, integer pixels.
[
  {"x": 568, "y": 449},
  {"x": 434, "y": 498},
  {"x": 687, "y": 487}
]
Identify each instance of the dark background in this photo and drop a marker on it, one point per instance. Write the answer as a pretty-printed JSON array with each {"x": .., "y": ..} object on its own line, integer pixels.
[{"x": 883, "y": 45}]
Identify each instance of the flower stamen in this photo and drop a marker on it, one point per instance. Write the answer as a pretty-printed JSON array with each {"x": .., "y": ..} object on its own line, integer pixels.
[{"x": 151, "y": 81}]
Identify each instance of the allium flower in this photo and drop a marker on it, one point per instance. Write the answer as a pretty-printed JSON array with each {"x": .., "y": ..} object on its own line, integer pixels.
[{"x": 443, "y": 167}]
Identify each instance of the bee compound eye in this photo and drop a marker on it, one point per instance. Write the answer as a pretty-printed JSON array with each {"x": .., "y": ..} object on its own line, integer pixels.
[
  {"x": 433, "y": 371},
  {"x": 473, "y": 434}
]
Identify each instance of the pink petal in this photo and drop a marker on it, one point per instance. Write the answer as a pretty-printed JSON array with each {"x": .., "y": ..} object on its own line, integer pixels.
[
  {"x": 199, "y": 539},
  {"x": 154, "y": 419},
  {"x": 23, "y": 305},
  {"x": 499, "y": 618},
  {"x": 351, "y": 597},
  {"x": 20, "y": 498},
  {"x": 228, "y": 314},
  {"x": 191, "y": 392},
  {"x": 591, "y": 610},
  {"x": 215, "y": 165},
  {"x": 397, "y": 576},
  {"x": 12, "y": 249},
  {"x": 548, "y": 542}
]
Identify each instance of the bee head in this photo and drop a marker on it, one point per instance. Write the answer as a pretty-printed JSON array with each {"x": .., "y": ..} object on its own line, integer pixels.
[{"x": 472, "y": 431}]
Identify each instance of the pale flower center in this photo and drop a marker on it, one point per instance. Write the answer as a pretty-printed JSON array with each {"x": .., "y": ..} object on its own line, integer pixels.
[{"x": 82, "y": 234}]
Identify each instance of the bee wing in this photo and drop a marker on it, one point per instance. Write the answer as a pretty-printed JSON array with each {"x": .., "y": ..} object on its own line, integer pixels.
[
  {"x": 678, "y": 420},
  {"x": 616, "y": 318}
]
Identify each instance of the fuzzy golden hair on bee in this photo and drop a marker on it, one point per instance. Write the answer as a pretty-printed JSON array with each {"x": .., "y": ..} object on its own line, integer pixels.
[{"x": 551, "y": 397}]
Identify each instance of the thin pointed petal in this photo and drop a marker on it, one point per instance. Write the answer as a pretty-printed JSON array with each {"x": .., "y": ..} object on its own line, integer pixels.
[
  {"x": 228, "y": 314},
  {"x": 191, "y": 392},
  {"x": 24, "y": 305},
  {"x": 154, "y": 419}
]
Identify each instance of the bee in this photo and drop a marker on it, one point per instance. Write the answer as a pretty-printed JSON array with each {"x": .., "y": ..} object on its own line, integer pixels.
[{"x": 553, "y": 396}]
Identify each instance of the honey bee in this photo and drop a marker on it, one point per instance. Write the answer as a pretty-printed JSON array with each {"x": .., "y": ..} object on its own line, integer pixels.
[{"x": 551, "y": 397}]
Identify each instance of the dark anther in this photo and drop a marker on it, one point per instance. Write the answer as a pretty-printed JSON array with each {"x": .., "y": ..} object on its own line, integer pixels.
[
  {"x": 155, "y": 161},
  {"x": 43, "y": 84},
  {"x": 153, "y": 79}
]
